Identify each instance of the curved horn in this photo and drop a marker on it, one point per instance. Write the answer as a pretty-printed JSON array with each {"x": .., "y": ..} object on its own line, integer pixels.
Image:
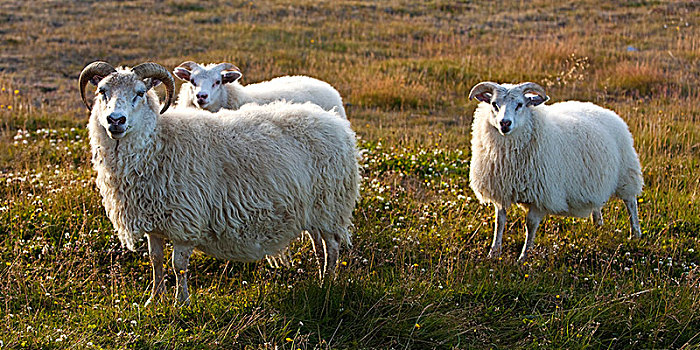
[
  {"x": 541, "y": 95},
  {"x": 156, "y": 71},
  {"x": 532, "y": 87},
  {"x": 227, "y": 66},
  {"x": 97, "y": 68},
  {"x": 479, "y": 90},
  {"x": 189, "y": 65}
]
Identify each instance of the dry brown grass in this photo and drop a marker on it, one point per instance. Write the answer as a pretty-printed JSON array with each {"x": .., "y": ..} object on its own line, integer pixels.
[{"x": 637, "y": 79}]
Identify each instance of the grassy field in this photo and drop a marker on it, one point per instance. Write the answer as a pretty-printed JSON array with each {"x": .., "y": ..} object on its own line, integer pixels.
[{"x": 417, "y": 276}]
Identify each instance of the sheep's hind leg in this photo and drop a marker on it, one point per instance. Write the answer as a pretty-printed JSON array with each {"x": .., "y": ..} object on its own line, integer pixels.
[
  {"x": 155, "y": 253},
  {"x": 597, "y": 217},
  {"x": 631, "y": 205},
  {"x": 499, "y": 226},
  {"x": 181, "y": 260},
  {"x": 332, "y": 252},
  {"x": 320, "y": 251},
  {"x": 534, "y": 217}
]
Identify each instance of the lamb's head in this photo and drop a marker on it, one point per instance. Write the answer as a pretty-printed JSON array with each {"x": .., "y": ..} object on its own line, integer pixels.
[
  {"x": 124, "y": 99},
  {"x": 207, "y": 82},
  {"x": 510, "y": 104}
]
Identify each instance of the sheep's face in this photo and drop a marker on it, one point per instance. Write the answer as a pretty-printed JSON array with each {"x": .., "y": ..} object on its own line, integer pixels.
[
  {"x": 510, "y": 104},
  {"x": 120, "y": 102},
  {"x": 207, "y": 82},
  {"x": 509, "y": 110}
]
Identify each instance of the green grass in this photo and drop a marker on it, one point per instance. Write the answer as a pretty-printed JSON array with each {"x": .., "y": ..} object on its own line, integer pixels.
[{"x": 417, "y": 276}]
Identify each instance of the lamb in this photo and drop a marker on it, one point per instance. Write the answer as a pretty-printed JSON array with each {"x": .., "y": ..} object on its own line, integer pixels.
[
  {"x": 216, "y": 86},
  {"x": 237, "y": 185},
  {"x": 565, "y": 159}
]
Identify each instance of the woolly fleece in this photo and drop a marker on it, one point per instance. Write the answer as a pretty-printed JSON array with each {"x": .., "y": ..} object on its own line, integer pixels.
[
  {"x": 237, "y": 185},
  {"x": 298, "y": 89},
  {"x": 568, "y": 159}
]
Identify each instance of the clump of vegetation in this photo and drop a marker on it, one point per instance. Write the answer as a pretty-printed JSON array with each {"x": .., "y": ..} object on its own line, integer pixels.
[{"x": 637, "y": 79}]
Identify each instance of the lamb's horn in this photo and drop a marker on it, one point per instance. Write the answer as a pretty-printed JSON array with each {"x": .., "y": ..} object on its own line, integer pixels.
[
  {"x": 189, "y": 65},
  {"x": 486, "y": 86},
  {"x": 534, "y": 88}
]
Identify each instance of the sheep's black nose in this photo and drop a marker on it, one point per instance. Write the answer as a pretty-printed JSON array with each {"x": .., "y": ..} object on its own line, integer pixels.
[
  {"x": 116, "y": 119},
  {"x": 505, "y": 125},
  {"x": 202, "y": 96}
]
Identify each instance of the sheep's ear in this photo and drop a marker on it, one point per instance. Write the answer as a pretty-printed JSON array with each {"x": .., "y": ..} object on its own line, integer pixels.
[
  {"x": 536, "y": 100},
  {"x": 151, "y": 83},
  {"x": 182, "y": 73},
  {"x": 229, "y": 76}
]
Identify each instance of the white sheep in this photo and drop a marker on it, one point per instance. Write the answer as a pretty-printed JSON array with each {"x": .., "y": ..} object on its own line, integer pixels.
[
  {"x": 215, "y": 86},
  {"x": 238, "y": 188},
  {"x": 564, "y": 159}
]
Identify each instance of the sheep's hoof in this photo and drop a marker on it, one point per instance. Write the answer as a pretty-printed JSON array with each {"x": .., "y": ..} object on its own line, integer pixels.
[
  {"x": 494, "y": 254},
  {"x": 522, "y": 258}
]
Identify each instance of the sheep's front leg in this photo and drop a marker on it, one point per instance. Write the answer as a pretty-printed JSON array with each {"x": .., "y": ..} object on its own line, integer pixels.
[
  {"x": 631, "y": 205},
  {"x": 332, "y": 243},
  {"x": 155, "y": 253},
  {"x": 499, "y": 226},
  {"x": 597, "y": 217},
  {"x": 534, "y": 217},
  {"x": 181, "y": 259}
]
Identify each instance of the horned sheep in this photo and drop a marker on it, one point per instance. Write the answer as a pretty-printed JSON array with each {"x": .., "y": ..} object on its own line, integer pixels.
[
  {"x": 215, "y": 86},
  {"x": 236, "y": 185},
  {"x": 565, "y": 159}
]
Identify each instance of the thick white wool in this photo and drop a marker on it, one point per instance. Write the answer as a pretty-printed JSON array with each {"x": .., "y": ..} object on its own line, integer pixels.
[
  {"x": 237, "y": 185},
  {"x": 297, "y": 89},
  {"x": 568, "y": 159}
]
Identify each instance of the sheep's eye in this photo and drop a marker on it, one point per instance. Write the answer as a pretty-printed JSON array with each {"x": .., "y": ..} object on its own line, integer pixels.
[
  {"x": 193, "y": 83},
  {"x": 495, "y": 106},
  {"x": 518, "y": 106},
  {"x": 101, "y": 91},
  {"x": 139, "y": 94},
  {"x": 217, "y": 83}
]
